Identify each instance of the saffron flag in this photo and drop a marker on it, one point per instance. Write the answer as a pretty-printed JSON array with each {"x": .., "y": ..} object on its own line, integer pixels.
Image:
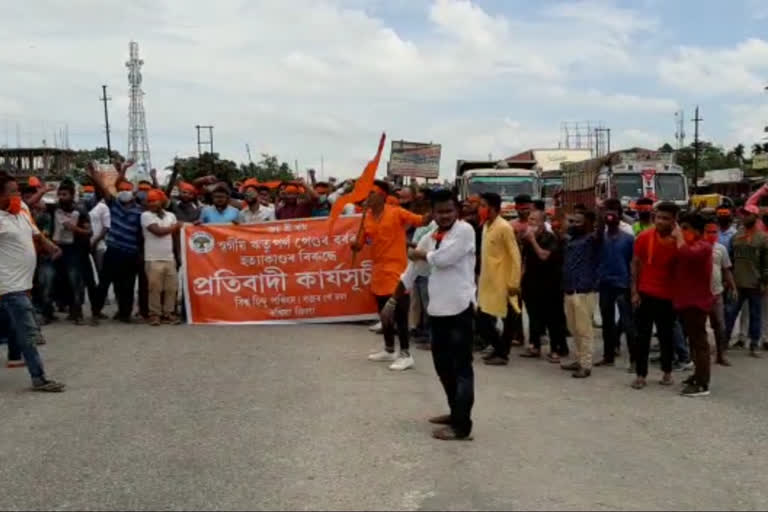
[{"x": 363, "y": 186}]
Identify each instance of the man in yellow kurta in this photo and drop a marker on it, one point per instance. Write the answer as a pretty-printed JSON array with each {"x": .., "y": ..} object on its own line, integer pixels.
[{"x": 500, "y": 273}]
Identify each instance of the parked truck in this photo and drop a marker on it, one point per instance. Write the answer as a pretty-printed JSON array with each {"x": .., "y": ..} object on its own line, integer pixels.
[
  {"x": 475, "y": 177},
  {"x": 626, "y": 175}
]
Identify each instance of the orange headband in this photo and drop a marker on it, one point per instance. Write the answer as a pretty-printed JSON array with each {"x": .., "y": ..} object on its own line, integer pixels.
[
  {"x": 35, "y": 182},
  {"x": 291, "y": 189},
  {"x": 156, "y": 195},
  {"x": 644, "y": 208},
  {"x": 250, "y": 182},
  {"x": 723, "y": 212},
  {"x": 125, "y": 185},
  {"x": 144, "y": 187},
  {"x": 187, "y": 187},
  {"x": 89, "y": 188}
]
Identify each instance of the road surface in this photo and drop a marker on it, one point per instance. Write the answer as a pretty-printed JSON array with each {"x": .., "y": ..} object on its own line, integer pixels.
[{"x": 295, "y": 418}]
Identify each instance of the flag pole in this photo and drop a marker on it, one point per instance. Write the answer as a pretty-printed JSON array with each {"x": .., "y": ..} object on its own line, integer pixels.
[{"x": 359, "y": 232}]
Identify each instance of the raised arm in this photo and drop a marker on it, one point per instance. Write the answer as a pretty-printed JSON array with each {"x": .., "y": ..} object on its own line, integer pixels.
[
  {"x": 98, "y": 182},
  {"x": 172, "y": 180}
]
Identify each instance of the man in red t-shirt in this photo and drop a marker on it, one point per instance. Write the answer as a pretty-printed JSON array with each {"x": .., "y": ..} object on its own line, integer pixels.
[
  {"x": 693, "y": 296},
  {"x": 653, "y": 285}
]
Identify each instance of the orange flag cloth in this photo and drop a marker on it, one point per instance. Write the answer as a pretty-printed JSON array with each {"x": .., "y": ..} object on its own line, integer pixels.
[{"x": 363, "y": 185}]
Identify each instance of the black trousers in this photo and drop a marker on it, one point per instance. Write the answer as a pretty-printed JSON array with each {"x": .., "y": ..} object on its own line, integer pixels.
[
  {"x": 120, "y": 269},
  {"x": 660, "y": 312},
  {"x": 400, "y": 325},
  {"x": 486, "y": 327},
  {"x": 143, "y": 291},
  {"x": 513, "y": 323},
  {"x": 546, "y": 313},
  {"x": 452, "y": 340},
  {"x": 611, "y": 298}
]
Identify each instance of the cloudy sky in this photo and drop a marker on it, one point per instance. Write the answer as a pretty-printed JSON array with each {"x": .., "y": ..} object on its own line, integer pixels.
[{"x": 305, "y": 78}]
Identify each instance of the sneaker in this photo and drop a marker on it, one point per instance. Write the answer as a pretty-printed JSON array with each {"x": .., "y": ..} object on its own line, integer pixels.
[
  {"x": 47, "y": 386},
  {"x": 403, "y": 362},
  {"x": 376, "y": 328},
  {"x": 753, "y": 353},
  {"x": 695, "y": 390},
  {"x": 448, "y": 434},
  {"x": 383, "y": 356},
  {"x": 682, "y": 367},
  {"x": 15, "y": 363}
]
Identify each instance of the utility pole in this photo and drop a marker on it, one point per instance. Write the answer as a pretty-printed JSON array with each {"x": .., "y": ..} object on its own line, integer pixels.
[
  {"x": 248, "y": 149},
  {"x": 104, "y": 98},
  {"x": 696, "y": 121},
  {"x": 209, "y": 143}
]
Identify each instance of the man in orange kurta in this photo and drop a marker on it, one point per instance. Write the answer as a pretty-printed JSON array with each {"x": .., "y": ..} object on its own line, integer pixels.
[{"x": 384, "y": 230}]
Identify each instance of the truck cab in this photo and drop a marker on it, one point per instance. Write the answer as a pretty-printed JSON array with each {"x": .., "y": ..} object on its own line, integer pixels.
[
  {"x": 497, "y": 177},
  {"x": 626, "y": 181}
]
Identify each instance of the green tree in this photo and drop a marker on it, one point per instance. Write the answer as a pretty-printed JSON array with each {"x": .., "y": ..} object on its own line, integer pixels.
[
  {"x": 267, "y": 169},
  {"x": 666, "y": 148},
  {"x": 192, "y": 167}
]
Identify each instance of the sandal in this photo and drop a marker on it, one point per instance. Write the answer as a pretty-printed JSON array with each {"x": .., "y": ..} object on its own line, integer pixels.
[
  {"x": 154, "y": 321},
  {"x": 532, "y": 353},
  {"x": 666, "y": 381},
  {"x": 638, "y": 383},
  {"x": 553, "y": 358}
]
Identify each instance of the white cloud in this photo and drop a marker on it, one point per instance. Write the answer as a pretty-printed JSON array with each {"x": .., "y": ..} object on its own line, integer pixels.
[
  {"x": 633, "y": 137},
  {"x": 738, "y": 70},
  {"x": 305, "y": 78}
]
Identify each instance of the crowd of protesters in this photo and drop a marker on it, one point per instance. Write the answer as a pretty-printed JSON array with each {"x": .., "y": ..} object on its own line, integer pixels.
[{"x": 456, "y": 276}]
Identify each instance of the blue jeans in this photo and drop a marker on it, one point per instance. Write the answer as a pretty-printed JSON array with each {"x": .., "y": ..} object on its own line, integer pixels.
[
  {"x": 754, "y": 300},
  {"x": 421, "y": 289},
  {"x": 17, "y": 314},
  {"x": 678, "y": 338},
  {"x": 611, "y": 298},
  {"x": 46, "y": 278}
]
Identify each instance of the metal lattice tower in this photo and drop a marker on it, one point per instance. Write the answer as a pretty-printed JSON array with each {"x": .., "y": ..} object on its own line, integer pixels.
[{"x": 138, "y": 146}]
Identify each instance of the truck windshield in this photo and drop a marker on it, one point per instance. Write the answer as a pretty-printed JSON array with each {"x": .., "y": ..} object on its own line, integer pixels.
[
  {"x": 506, "y": 186},
  {"x": 628, "y": 185},
  {"x": 670, "y": 187},
  {"x": 551, "y": 185}
]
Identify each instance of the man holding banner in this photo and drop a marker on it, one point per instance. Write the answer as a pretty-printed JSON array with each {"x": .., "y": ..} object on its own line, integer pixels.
[{"x": 450, "y": 254}]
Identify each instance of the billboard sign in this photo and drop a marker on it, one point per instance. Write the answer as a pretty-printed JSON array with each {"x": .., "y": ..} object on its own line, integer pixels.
[{"x": 414, "y": 159}]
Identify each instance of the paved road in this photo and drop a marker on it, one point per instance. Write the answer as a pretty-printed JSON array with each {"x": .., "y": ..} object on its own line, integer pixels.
[{"x": 296, "y": 418}]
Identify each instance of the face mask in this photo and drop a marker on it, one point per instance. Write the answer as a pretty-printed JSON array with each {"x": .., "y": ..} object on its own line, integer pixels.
[
  {"x": 125, "y": 196},
  {"x": 88, "y": 197},
  {"x": 141, "y": 196},
  {"x": 689, "y": 236},
  {"x": 322, "y": 198},
  {"x": 14, "y": 207}
]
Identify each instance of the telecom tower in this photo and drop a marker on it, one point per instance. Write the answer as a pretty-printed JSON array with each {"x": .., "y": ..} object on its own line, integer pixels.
[
  {"x": 680, "y": 128},
  {"x": 138, "y": 147}
]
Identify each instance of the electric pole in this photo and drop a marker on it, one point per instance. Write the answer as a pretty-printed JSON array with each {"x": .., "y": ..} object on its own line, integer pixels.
[
  {"x": 105, "y": 99},
  {"x": 696, "y": 121},
  {"x": 209, "y": 143}
]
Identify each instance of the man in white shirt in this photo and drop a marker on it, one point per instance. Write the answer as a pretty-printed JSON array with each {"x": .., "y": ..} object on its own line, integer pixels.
[
  {"x": 18, "y": 236},
  {"x": 450, "y": 254},
  {"x": 255, "y": 212},
  {"x": 159, "y": 227},
  {"x": 100, "y": 224}
]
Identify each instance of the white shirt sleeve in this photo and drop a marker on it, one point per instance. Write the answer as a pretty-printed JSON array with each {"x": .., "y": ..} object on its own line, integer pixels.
[
  {"x": 453, "y": 249},
  {"x": 147, "y": 219},
  {"x": 106, "y": 217},
  {"x": 270, "y": 216}
]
